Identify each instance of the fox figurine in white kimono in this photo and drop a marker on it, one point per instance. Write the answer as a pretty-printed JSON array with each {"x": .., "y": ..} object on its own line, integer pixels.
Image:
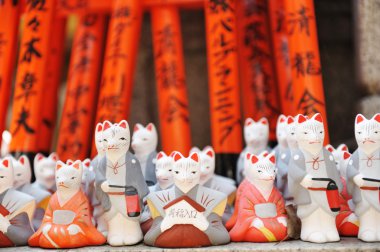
[
  {"x": 187, "y": 214},
  {"x": 256, "y": 136},
  {"x": 22, "y": 178},
  {"x": 363, "y": 177},
  {"x": 120, "y": 186},
  {"x": 16, "y": 209},
  {"x": 211, "y": 180},
  {"x": 144, "y": 144},
  {"x": 314, "y": 182},
  {"x": 44, "y": 169}
]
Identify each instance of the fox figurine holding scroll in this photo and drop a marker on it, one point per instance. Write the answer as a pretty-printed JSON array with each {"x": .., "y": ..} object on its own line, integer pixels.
[{"x": 363, "y": 177}]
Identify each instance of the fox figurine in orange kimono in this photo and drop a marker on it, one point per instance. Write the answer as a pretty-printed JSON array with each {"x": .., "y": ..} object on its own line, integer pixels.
[
  {"x": 67, "y": 221},
  {"x": 261, "y": 215}
]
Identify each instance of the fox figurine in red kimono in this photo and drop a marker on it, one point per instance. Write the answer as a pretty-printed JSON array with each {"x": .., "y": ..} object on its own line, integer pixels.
[
  {"x": 67, "y": 221},
  {"x": 261, "y": 215}
]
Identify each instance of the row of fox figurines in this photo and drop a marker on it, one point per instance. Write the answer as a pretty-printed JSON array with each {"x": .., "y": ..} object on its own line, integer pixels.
[{"x": 298, "y": 189}]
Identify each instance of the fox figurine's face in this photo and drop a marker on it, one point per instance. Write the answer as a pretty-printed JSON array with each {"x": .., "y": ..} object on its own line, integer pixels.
[
  {"x": 186, "y": 171},
  {"x": 68, "y": 176},
  {"x": 281, "y": 133},
  {"x": 22, "y": 171},
  {"x": 367, "y": 133},
  {"x": 144, "y": 139},
  {"x": 116, "y": 138},
  {"x": 6, "y": 174},
  {"x": 44, "y": 169},
  {"x": 310, "y": 133},
  {"x": 99, "y": 143},
  {"x": 256, "y": 133},
  {"x": 207, "y": 157},
  {"x": 164, "y": 170},
  {"x": 291, "y": 133},
  {"x": 260, "y": 169}
]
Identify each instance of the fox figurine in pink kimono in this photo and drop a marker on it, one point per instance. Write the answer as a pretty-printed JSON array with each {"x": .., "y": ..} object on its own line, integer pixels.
[
  {"x": 314, "y": 182},
  {"x": 261, "y": 213},
  {"x": 363, "y": 177},
  {"x": 346, "y": 221}
]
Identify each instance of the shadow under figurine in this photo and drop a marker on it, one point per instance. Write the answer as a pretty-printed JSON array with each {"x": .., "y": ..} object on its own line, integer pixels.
[
  {"x": 187, "y": 214},
  {"x": 314, "y": 182},
  {"x": 67, "y": 222},
  {"x": 16, "y": 209},
  {"x": 363, "y": 177},
  {"x": 120, "y": 186},
  {"x": 260, "y": 211}
]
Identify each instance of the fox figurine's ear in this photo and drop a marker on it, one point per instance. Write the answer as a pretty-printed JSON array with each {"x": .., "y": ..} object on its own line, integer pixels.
[
  {"x": 248, "y": 156},
  {"x": 281, "y": 119},
  {"x": 177, "y": 156},
  {"x": 99, "y": 127},
  {"x": 137, "y": 127},
  {"x": 209, "y": 151},
  {"x": 106, "y": 125},
  {"x": 248, "y": 121},
  {"x": 359, "y": 118},
  {"x": 290, "y": 120},
  {"x": 301, "y": 119},
  {"x": 195, "y": 156},
  {"x": 254, "y": 159},
  {"x": 272, "y": 158},
  {"x": 330, "y": 148},
  {"x": 160, "y": 155},
  {"x": 150, "y": 126},
  {"x": 346, "y": 155},
  {"x": 377, "y": 118},
  {"x": 59, "y": 165},
  {"x": 123, "y": 124},
  {"x": 264, "y": 121},
  {"x": 318, "y": 117}
]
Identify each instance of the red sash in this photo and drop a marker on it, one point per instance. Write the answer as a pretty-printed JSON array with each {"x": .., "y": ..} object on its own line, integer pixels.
[{"x": 4, "y": 240}]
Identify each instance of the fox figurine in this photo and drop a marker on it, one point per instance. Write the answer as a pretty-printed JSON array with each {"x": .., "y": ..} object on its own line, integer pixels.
[
  {"x": 314, "y": 182},
  {"x": 120, "y": 186},
  {"x": 363, "y": 177}
]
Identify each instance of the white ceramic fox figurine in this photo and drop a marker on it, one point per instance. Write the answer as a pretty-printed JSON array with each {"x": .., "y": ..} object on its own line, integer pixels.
[
  {"x": 120, "y": 186},
  {"x": 363, "y": 177},
  {"x": 256, "y": 136},
  {"x": 144, "y": 144},
  {"x": 22, "y": 178},
  {"x": 314, "y": 182},
  {"x": 44, "y": 169}
]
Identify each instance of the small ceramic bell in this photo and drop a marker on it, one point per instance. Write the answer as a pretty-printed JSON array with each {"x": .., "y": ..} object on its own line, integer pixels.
[
  {"x": 210, "y": 180},
  {"x": 260, "y": 211},
  {"x": 67, "y": 222},
  {"x": 120, "y": 186},
  {"x": 314, "y": 182},
  {"x": 256, "y": 136},
  {"x": 363, "y": 177},
  {"x": 187, "y": 214},
  {"x": 16, "y": 209},
  {"x": 23, "y": 175},
  {"x": 144, "y": 144},
  {"x": 346, "y": 221}
]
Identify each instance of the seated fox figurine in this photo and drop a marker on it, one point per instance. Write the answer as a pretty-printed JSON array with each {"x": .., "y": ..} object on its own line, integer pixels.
[
  {"x": 210, "y": 180},
  {"x": 346, "y": 221},
  {"x": 16, "y": 209},
  {"x": 314, "y": 182},
  {"x": 144, "y": 144},
  {"x": 23, "y": 176},
  {"x": 256, "y": 136},
  {"x": 187, "y": 214},
  {"x": 261, "y": 213},
  {"x": 363, "y": 177},
  {"x": 120, "y": 186},
  {"x": 67, "y": 221},
  {"x": 44, "y": 168},
  {"x": 164, "y": 167}
]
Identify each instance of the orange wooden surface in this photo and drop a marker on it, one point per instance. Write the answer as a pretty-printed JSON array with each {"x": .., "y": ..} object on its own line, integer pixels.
[
  {"x": 223, "y": 76},
  {"x": 280, "y": 45},
  {"x": 9, "y": 22},
  {"x": 305, "y": 61},
  {"x": 119, "y": 62},
  {"x": 258, "y": 80},
  {"x": 170, "y": 80},
  {"x": 53, "y": 80},
  {"x": 31, "y": 73},
  {"x": 78, "y": 116}
]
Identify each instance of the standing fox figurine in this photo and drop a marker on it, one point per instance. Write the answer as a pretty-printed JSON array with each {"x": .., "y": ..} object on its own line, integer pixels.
[
  {"x": 44, "y": 169},
  {"x": 16, "y": 209},
  {"x": 256, "y": 136},
  {"x": 363, "y": 177},
  {"x": 120, "y": 186},
  {"x": 314, "y": 182},
  {"x": 67, "y": 221},
  {"x": 261, "y": 209},
  {"x": 144, "y": 144}
]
